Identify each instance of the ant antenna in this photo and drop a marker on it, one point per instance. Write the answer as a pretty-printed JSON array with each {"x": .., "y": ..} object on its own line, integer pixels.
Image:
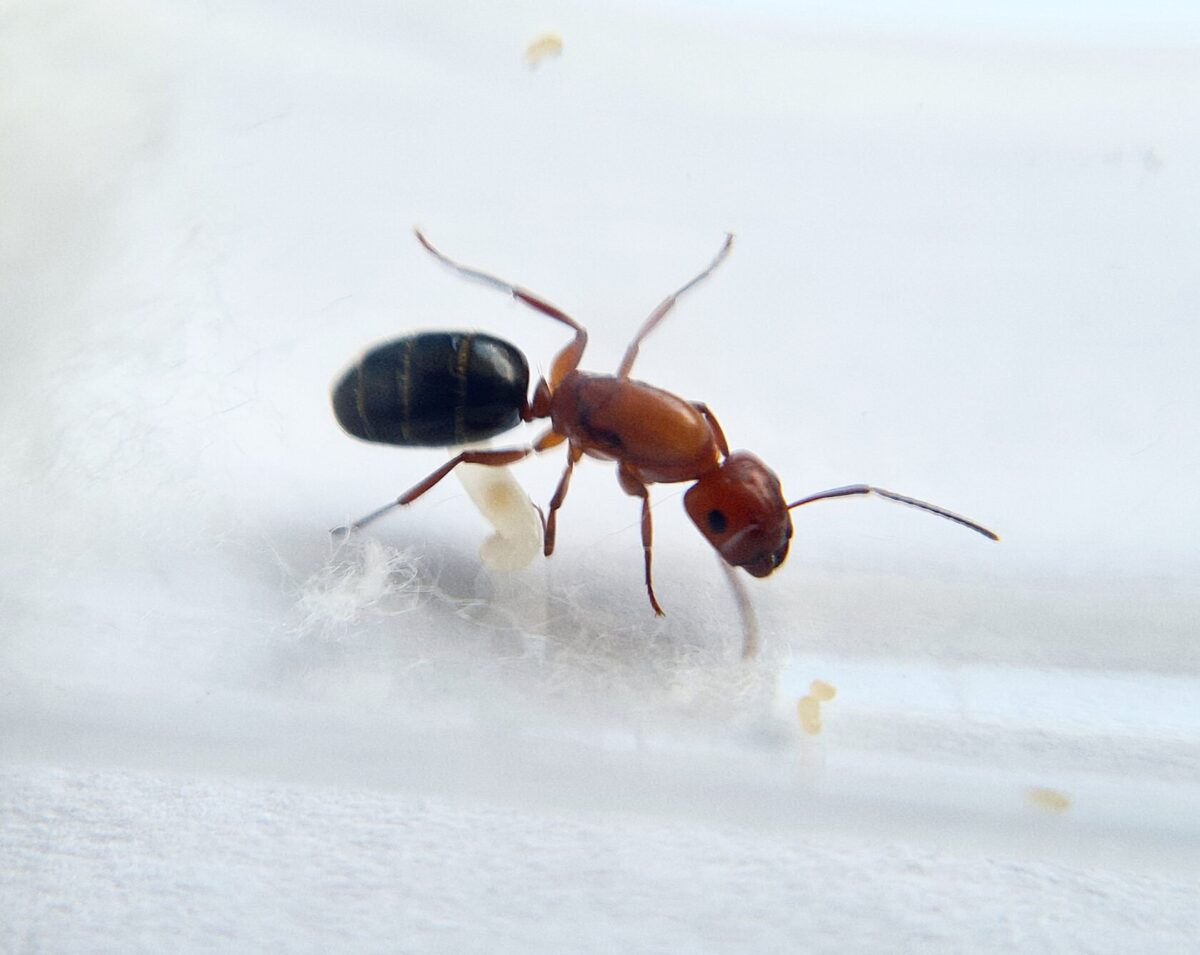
[
  {"x": 852, "y": 489},
  {"x": 745, "y": 609}
]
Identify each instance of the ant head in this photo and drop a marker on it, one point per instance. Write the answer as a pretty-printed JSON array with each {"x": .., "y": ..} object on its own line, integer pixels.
[{"x": 739, "y": 508}]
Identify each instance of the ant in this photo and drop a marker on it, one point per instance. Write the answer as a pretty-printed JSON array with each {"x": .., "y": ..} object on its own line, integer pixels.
[{"x": 449, "y": 388}]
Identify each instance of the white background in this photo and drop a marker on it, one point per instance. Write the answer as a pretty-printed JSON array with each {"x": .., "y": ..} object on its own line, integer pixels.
[{"x": 965, "y": 270}]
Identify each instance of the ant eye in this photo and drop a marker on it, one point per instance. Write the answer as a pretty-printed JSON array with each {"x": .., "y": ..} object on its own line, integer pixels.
[{"x": 716, "y": 522}]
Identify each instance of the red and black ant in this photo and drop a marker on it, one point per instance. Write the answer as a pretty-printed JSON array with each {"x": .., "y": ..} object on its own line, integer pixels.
[{"x": 443, "y": 388}]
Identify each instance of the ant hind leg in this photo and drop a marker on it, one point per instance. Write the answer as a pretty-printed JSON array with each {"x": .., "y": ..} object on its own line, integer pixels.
[
  {"x": 490, "y": 457},
  {"x": 568, "y": 359}
]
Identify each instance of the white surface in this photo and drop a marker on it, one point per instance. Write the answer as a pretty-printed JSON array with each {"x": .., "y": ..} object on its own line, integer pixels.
[
  {"x": 256, "y": 867},
  {"x": 965, "y": 271}
]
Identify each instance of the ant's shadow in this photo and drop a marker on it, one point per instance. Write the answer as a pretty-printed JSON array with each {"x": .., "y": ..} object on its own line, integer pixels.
[{"x": 406, "y": 628}]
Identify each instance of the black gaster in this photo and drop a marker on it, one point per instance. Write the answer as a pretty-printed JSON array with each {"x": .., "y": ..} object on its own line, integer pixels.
[{"x": 435, "y": 389}]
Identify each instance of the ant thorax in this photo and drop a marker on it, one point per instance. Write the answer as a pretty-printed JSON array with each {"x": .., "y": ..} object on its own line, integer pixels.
[{"x": 661, "y": 437}]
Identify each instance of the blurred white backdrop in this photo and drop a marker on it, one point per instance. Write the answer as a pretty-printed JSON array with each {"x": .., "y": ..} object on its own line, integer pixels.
[{"x": 965, "y": 270}]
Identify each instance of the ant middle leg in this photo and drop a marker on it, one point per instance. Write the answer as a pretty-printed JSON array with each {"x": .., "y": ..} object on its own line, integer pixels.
[
  {"x": 665, "y": 306},
  {"x": 550, "y": 525},
  {"x": 632, "y": 485}
]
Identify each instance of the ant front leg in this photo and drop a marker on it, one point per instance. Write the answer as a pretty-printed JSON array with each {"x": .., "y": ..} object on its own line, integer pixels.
[
  {"x": 715, "y": 426},
  {"x": 632, "y": 485}
]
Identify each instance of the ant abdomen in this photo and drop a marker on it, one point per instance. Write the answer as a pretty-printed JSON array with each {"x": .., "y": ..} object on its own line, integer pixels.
[{"x": 434, "y": 389}]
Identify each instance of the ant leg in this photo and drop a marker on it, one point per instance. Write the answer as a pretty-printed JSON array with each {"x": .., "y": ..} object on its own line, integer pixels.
[
  {"x": 550, "y": 526},
  {"x": 893, "y": 496},
  {"x": 492, "y": 458},
  {"x": 568, "y": 359},
  {"x": 715, "y": 425},
  {"x": 497, "y": 457},
  {"x": 665, "y": 306},
  {"x": 632, "y": 485}
]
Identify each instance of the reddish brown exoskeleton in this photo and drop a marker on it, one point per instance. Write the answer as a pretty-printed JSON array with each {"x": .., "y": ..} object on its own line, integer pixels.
[{"x": 655, "y": 437}]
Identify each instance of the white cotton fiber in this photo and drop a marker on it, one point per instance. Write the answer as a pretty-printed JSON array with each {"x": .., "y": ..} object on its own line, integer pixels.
[{"x": 364, "y": 577}]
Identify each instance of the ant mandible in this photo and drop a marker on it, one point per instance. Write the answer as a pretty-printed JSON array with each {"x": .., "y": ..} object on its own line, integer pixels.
[{"x": 655, "y": 437}]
